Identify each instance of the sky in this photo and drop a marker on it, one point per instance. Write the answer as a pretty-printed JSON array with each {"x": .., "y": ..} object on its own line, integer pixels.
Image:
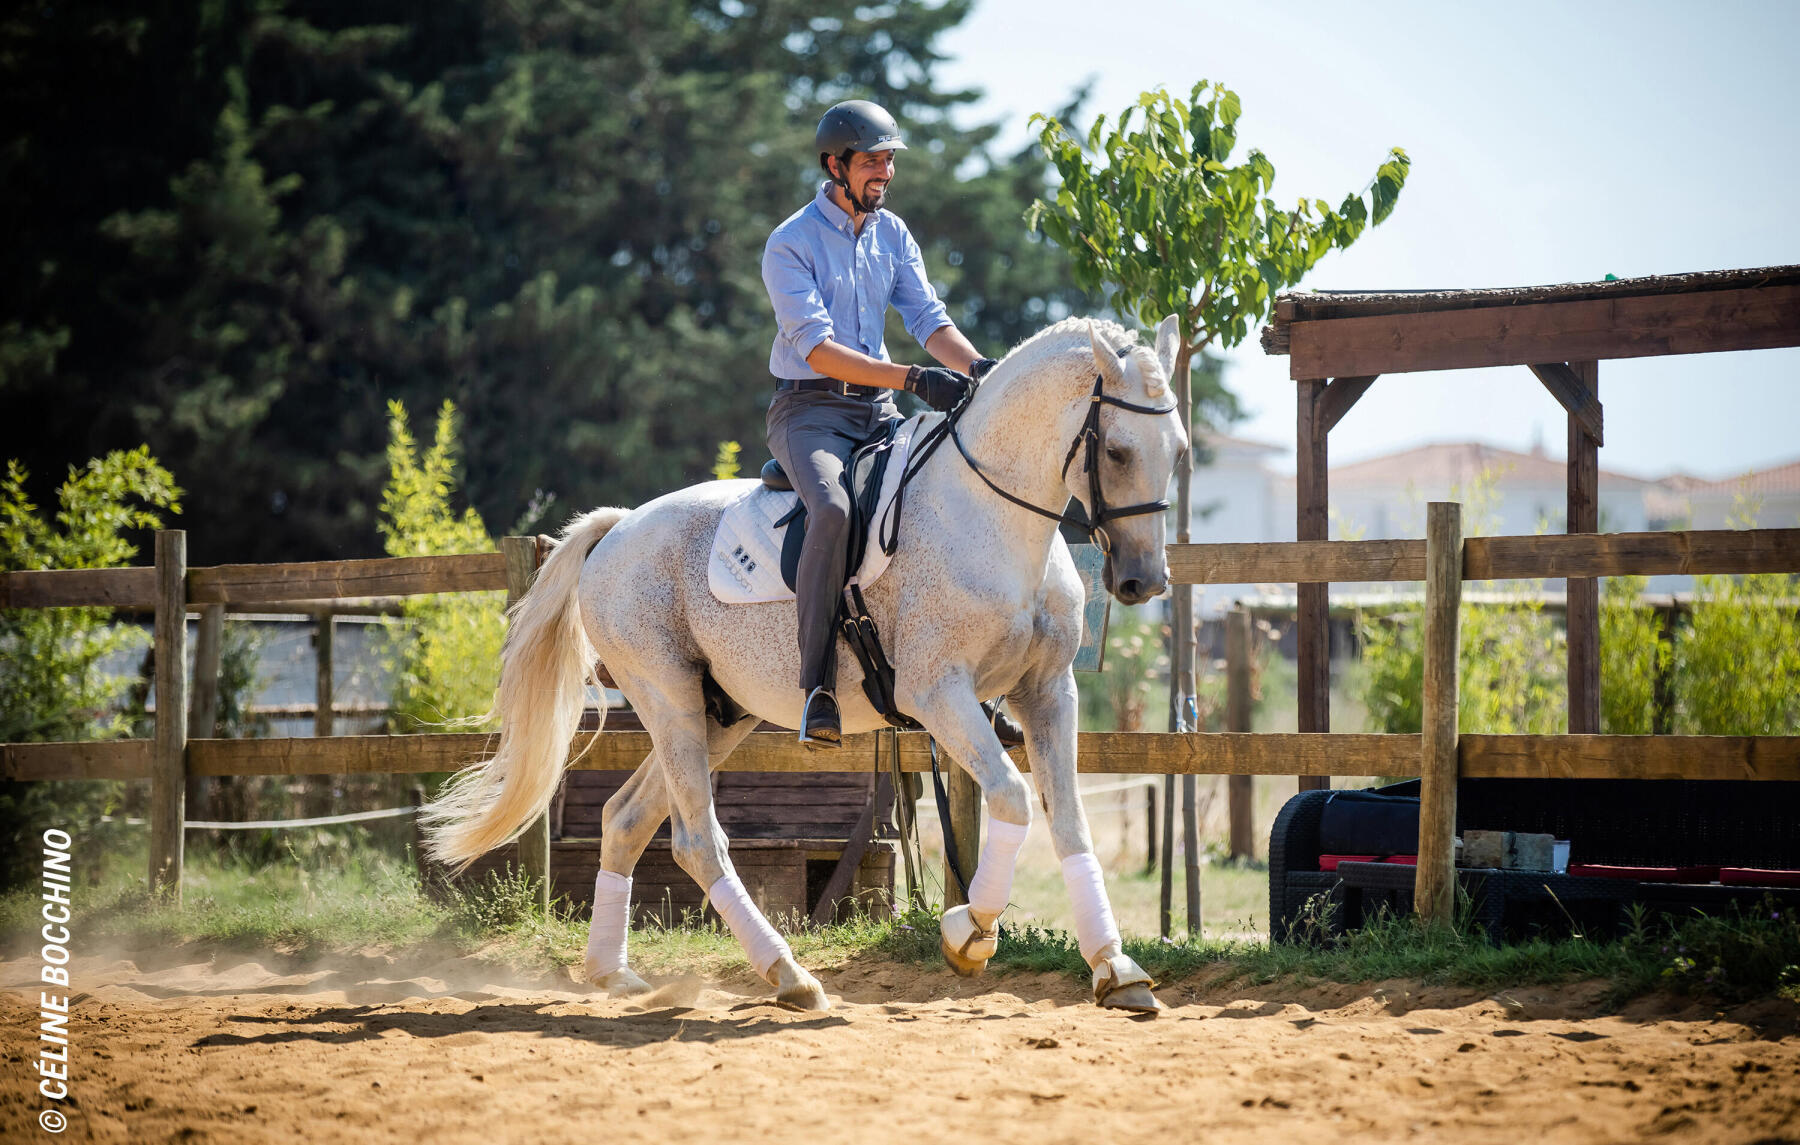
[{"x": 1549, "y": 143}]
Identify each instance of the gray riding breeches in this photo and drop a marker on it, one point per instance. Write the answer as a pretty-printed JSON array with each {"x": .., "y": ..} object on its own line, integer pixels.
[{"x": 812, "y": 434}]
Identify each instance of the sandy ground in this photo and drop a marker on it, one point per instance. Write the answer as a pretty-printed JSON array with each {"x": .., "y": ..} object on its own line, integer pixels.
[{"x": 245, "y": 1048}]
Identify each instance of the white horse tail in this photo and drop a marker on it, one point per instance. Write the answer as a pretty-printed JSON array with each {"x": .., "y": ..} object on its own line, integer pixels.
[{"x": 545, "y": 665}]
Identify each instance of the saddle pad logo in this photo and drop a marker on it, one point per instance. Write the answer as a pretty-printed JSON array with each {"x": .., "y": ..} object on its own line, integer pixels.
[{"x": 746, "y": 553}]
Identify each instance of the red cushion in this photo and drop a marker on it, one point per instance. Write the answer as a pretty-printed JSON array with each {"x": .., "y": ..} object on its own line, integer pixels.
[
  {"x": 1403, "y": 860},
  {"x": 1750, "y": 877},
  {"x": 1645, "y": 874},
  {"x": 1330, "y": 862}
]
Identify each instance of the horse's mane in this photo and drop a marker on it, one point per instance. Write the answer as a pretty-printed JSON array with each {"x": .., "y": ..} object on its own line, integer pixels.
[{"x": 1071, "y": 334}]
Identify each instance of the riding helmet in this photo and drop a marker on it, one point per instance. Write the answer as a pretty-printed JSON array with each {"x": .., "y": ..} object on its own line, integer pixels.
[{"x": 857, "y": 125}]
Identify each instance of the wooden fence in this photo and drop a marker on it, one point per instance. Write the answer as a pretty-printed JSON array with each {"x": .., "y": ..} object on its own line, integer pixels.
[{"x": 1443, "y": 560}]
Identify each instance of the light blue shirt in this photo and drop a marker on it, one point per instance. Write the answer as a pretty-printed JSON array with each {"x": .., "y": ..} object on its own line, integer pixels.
[{"x": 827, "y": 281}]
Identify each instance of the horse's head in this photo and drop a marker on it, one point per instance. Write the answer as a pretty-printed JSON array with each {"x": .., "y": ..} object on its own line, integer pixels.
[{"x": 1136, "y": 441}]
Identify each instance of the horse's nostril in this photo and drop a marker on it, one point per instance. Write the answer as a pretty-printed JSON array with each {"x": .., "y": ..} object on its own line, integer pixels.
[{"x": 1131, "y": 588}]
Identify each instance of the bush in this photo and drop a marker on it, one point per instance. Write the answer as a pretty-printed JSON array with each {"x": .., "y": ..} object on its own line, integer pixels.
[
  {"x": 52, "y": 685},
  {"x": 1633, "y": 654},
  {"x": 445, "y": 659}
]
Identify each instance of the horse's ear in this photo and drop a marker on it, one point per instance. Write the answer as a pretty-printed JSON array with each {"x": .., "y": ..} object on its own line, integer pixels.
[
  {"x": 1168, "y": 339},
  {"x": 1106, "y": 358}
]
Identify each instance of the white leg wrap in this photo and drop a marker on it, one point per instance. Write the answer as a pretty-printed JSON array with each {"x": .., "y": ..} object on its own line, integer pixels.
[
  {"x": 612, "y": 918},
  {"x": 991, "y": 887},
  {"x": 1095, "y": 929},
  {"x": 753, "y": 932}
]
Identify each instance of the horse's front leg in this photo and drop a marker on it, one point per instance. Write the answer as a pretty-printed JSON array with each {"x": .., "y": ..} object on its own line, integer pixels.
[
  {"x": 970, "y": 934},
  {"x": 1049, "y": 714}
]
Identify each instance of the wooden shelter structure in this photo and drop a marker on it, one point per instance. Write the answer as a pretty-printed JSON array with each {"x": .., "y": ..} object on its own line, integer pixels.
[{"x": 1339, "y": 342}]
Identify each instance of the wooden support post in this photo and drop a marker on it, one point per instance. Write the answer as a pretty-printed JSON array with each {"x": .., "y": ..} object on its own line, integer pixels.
[
  {"x": 1166, "y": 915},
  {"x": 168, "y": 766},
  {"x": 965, "y": 828},
  {"x": 521, "y": 555},
  {"x": 1239, "y": 789},
  {"x": 203, "y": 713},
  {"x": 1149, "y": 827},
  {"x": 1434, "y": 891},
  {"x": 324, "y": 721},
  {"x": 1190, "y": 842},
  {"x": 1312, "y": 496},
  {"x": 1584, "y": 594}
]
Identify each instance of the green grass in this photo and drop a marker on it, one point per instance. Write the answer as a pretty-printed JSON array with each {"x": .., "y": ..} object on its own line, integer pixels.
[{"x": 338, "y": 894}]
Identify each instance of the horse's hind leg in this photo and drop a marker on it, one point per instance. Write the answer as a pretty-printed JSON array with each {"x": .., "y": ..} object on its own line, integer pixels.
[
  {"x": 630, "y": 819},
  {"x": 673, "y": 717}
]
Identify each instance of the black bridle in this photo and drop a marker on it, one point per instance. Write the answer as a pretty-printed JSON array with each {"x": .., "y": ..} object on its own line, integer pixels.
[{"x": 1094, "y": 520}]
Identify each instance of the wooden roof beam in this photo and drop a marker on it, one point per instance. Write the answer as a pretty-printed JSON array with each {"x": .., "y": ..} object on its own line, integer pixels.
[{"x": 1592, "y": 330}]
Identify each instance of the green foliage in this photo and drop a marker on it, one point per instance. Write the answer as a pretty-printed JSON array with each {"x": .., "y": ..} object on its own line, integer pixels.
[
  {"x": 53, "y": 687},
  {"x": 725, "y": 462},
  {"x": 1151, "y": 211},
  {"x": 1742, "y": 954},
  {"x": 446, "y": 659},
  {"x": 1632, "y": 655},
  {"x": 1737, "y": 660},
  {"x": 52, "y": 683},
  {"x": 1134, "y": 669},
  {"x": 1510, "y": 659},
  {"x": 550, "y": 213}
]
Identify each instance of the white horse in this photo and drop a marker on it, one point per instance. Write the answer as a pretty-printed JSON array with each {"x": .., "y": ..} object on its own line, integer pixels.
[{"x": 981, "y": 599}]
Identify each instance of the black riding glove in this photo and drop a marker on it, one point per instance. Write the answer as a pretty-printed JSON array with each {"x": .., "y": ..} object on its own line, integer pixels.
[
  {"x": 941, "y": 388},
  {"x": 978, "y": 369}
]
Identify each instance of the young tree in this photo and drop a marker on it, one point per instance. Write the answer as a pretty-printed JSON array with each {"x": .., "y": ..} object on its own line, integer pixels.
[{"x": 1152, "y": 214}]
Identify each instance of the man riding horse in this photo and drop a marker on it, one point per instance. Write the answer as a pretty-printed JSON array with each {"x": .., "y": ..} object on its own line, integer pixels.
[{"x": 832, "y": 269}]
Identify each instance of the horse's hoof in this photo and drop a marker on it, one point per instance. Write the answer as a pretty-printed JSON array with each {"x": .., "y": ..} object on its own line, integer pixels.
[
  {"x": 1137, "y": 999},
  {"x": 966, "y": 944},
  {"x": 795, "y": 987},
  {"x": 621, "y": 983},
  {"x": 1121, "y": 984}
]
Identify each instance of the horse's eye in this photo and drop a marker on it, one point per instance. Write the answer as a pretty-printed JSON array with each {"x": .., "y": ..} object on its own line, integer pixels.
[{"x": 1115, "y": 454}]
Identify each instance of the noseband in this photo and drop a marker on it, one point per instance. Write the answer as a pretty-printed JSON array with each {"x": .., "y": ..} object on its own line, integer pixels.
[{"x": 1093, "y": 523}]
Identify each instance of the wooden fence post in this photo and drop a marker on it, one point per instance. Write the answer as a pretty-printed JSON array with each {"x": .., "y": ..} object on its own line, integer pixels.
[
  {"x": 1149, "y": 827},
  {"x": 1239, "y": 789},
  {"x": 1434, "y": 891},
  {"x": 1190, "y": 842},
  {"x": 521, "y": 555},
  {"x": 324, "y": 722},
  {"x": 1166, "y": 913},
  {"x": 168, "y": 761}
]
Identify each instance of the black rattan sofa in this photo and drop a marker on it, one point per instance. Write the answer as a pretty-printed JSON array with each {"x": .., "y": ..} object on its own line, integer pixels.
[{"x": 1624, "y": 823}]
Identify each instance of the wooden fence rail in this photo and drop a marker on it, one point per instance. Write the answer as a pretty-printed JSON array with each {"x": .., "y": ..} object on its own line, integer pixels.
[{"x": 1439, "y": 757}]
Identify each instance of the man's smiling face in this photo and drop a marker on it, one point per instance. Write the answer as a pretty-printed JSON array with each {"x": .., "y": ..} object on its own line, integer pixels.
[{"x": 869, "y": 175}]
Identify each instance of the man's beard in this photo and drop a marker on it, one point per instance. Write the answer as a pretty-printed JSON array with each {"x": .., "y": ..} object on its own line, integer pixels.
[{"x": 869, "y": 202}]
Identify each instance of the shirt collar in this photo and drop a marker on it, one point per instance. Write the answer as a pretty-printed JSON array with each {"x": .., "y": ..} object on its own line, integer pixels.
[{"x": 834, "y": 214}]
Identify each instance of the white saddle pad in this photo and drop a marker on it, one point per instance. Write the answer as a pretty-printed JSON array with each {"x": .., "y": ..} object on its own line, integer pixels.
[{"x": 746, "y": 556}]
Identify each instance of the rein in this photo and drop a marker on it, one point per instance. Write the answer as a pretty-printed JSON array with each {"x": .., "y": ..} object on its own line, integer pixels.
[{"x": 1093, "y": 525}]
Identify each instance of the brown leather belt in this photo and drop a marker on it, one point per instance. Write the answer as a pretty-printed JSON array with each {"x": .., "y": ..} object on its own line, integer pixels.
[{"x": 830, "y": 386}]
